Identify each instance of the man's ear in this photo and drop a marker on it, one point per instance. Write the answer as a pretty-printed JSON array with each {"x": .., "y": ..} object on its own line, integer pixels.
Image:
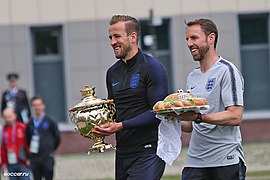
[
  {"x": 211, "y": 38},
  {"x": 134, "y": 36}
]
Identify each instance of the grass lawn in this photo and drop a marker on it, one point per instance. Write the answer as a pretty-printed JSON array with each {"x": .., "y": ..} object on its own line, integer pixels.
[
  {"x": 171, "y": 177},
  {"x": 101, "y": 166},
  {"x": 259, "y": 173}
]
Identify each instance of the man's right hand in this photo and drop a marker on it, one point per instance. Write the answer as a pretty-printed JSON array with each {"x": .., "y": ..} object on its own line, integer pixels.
[{"x": 107, "y": 129}]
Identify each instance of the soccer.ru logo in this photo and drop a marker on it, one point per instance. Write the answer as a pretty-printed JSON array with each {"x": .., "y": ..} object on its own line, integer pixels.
[{"x": 16, "y": 174}]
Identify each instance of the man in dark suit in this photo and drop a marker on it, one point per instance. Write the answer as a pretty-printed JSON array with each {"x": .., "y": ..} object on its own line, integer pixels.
[
  {"x": 43, "y": 137},
  {"x": 16, "y": 99}
]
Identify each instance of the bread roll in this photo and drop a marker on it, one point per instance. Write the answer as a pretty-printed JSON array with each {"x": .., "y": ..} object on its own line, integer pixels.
[
  {"x": 200, "y": 101},
  {"x": 178, "y": 104},
  {"x": 174, "y": 96},
  {"x": 159, "y": 106},
  {"x": 188, "y": 102},
  {"x": 168, "y": 105}
]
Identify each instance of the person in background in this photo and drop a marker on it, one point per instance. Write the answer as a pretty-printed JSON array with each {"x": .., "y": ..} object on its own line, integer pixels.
[
  {"x": 215, "y": 149},
  {"x": 14, "y": 150},
  {"x": 43, "y": 138},
  {"x": 135, "y": 83},
  {"x": 16, "y": 98}
]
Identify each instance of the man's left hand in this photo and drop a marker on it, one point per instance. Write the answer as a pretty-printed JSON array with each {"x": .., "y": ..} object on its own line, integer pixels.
[
  {"x": 107, "y": 129},
  {"x": 188, "y": 116}
]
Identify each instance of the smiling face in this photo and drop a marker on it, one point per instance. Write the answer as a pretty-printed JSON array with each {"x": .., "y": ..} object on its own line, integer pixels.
[
  {"x": 197, "y": 42},
  {"x": 123, "y": 45}
]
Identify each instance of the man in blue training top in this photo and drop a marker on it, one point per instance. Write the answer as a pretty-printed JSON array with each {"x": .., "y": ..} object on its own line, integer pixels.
[{"x": 135, "y": 82}]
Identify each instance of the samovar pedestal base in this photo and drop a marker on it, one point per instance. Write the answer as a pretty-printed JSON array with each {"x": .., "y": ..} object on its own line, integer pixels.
[{"x": 100, "y": 147}]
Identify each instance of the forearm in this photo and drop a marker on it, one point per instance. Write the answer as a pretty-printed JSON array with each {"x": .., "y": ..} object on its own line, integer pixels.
[
  {"x": 186, "y": 126},
  {"x": 145, "y": 119},
  {"x": 232, "y": 116}
]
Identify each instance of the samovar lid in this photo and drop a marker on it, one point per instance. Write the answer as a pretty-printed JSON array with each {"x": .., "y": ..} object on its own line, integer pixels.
[{"x": 89, "y": 99}]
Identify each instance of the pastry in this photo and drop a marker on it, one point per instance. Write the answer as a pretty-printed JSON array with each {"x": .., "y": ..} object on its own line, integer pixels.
[{"x": 179, "y": 99}]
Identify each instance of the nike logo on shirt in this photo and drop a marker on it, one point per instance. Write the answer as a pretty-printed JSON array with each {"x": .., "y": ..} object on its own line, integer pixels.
[
  {"x": 192, "y": 87},
  {"x": 115, "y": 84}
]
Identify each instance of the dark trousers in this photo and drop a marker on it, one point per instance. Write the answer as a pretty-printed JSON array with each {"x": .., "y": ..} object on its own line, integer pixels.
[
  {"x": 232, "y": 172},
  {"x": 143, "y": 167},
  {"x": 43, "y": 168}
]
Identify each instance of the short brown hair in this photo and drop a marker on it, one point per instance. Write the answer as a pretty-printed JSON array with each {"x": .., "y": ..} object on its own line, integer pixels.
[
  {"x": 131, "y": 25},
  {"x": 37, "y": 97},
  {"x": 207, "y": 26}
]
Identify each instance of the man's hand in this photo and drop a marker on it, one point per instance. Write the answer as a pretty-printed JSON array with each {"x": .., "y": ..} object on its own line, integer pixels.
[
  {"x": 28, "y": 162},
  {"x": 107, "y": 129},
  {"x": 188, "y": 116}
]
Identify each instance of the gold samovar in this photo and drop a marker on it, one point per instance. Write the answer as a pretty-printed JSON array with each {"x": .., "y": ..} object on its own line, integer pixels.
[{"x": 91, "y": 112}]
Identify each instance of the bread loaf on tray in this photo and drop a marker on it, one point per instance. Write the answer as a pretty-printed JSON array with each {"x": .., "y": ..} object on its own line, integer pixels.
[{"x": 179, "y": 99}]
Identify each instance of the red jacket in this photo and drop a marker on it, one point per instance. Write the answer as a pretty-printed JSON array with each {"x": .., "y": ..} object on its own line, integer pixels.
[{"x": 13, "y": 139}]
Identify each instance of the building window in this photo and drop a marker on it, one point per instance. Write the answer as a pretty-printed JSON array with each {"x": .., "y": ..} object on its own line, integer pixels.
[
  {"x": 254, "y": 39},
  {"x": 158, "y": 34},
  {"x": 155, "y": 40},
  {"x": 48, "y": 69},
  {"x": 46, "y": 40}
]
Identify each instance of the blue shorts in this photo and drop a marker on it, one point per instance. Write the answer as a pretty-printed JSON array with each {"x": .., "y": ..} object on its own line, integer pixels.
[{"x": 142, "y": 167}]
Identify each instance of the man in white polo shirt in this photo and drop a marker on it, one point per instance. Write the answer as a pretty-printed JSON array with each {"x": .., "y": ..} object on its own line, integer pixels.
[{"x": 215, "y": 150}]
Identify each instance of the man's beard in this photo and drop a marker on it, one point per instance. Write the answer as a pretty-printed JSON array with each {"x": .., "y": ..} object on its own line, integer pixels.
[
  {"x": 202, "y": 52},
  {"x": 124, "y": 53}
]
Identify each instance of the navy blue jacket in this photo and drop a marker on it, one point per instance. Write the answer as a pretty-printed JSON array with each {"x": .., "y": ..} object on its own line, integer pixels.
[
  {"x": 49, "y": 138},
  {"x": 135, "y": 87}
]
